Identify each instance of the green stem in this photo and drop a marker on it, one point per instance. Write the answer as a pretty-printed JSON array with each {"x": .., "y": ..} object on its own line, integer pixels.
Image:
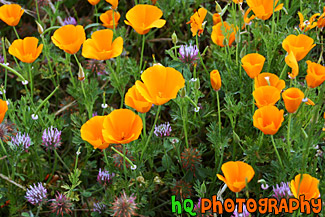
[
  {"x": 5, "y": 60},
  {"x": 60, "y": 159},
  {"x": 46, "y": 99},
  {"x": 151, "y": 132},
  {"x": 31, "y": 81},
  {"x": 16, "y": 32},
  {"x": 273, "y": 22},
  {"x": 276, "y": 151},
  {"x": 288, "y": 134},
  {"x": 283, "y": 70},
  {"x": 143, "y": 116},
  {"x": 201, "y": 60},
  {"x": 68, "y": 59},
  {"x": 219, "y": 117},
  {"x": 105, "y": 157},
  {"x": 97, "y": 16},
  {"x": 37, "y": 11},
  {"x": 13, "y": 71},
  {"x": 141, "y": 57},
  {"x": 184, "y": 117},
  {"x": 124, "y": 164},
  {"x": 123, "y": 156}
]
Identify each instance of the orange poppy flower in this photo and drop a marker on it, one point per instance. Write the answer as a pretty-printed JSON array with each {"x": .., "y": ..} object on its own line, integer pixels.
[
  {"x": 26, "y": 49},
  {"x": 263, "y": 9},
  {"x": 91, "y": 131},
  {"x": 253, "y": 64},
  {"x": 321, "y": 19},
  {"x": 293, "y": 64},
  {"x": 300, "y": 45},
  {"x": 135, "y": 100},
  {"x": 101, "y": 47},
  {"x": 268, "y": 119},
  {"x": 216, "y": 18},
  {"x": 236, "y": 175},
  {"x": 93, "y": 2},
  {"x": 247, "y": 20},
  {"x": 305, "y": 185},
  {"x": 114, "y": 3},
  {"x": 142, "y": 18},
  {"x": 269, "y": 79},
  {"x": 69, "y": 38},
  {"x": 197, "y": 20},
  {"x": 160, "y": 84},
  {"x": 3, "y": 109},
  {"x": 315, "y": 74},
  {"x": 11, "y": 14},
  {"x": 218, "y": 32},
  {"x": 238, "y": 1},
  {"x": 292, "y": 98},
  {"x": 215, "y": 80},
  {"x": 266, "y": 95},
  {"x": 107, "y": 19},
  {"x": 121, "y": 126},
  {"x": 306, "y": 25}
]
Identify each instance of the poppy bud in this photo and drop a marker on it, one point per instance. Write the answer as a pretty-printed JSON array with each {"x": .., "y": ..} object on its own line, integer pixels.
[
  {"x": 183, "y": 92},
  {"x": 81, "y": 74},
  {"x": 174, "y": 38},
  {"x": 7, "y": 43},
  {"x": 218, "y": 8},
  {"x": 39, "y": 28},
  {"x": 197, "y": 84}
]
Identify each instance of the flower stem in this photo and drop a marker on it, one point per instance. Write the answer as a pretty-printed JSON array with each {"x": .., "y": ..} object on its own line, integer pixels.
[
  {"x": 13, "y": 71},
  {"x": 151, "y": 132},
  {"x": 184, "y": 117},
  {"x": 60, "y": 159},
  {"x": 276, "y": 151},
  {"x": 201, "y": 60},
  {"x": 105, "y": 156},
  {"x": 68, "y": 59},
  {"x": 219, "y": 117},
  {"x": 16, "y": 32},
  {"x": 142, "y": 49},
  {"x": 123, "y": 156},
  {"x": 31, "y": 81},
  {"x": 288, "y": 134},
  {"x": 283, "y": 70}
]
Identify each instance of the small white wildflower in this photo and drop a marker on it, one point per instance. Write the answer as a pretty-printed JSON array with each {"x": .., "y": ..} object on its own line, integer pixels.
[
  {"x": 78, "y": 152},
  {"x": 7, "y": 102},
  {"x": 197, "y": 109},
  {"x": 7, "y": 64},
  {"x": 104, "y": 106},
  {"x": 133, "y": 167},
  {"x": 24, "y": 82},
  {"x": 34, "y": 116},
  {"x": 305, "y": 100},
  {"x": 193, "y": 80},
  {"x": 4, "y": 91},
  {"x": 156, "y": 64}
]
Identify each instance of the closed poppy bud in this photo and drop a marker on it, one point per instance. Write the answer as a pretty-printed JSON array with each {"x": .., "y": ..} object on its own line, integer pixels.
[
  {"x": 39, "y": 28},
  {"x": 300, "y": 45},
  {"x": 292, "y": 98},
  {"x": 7, "y": 43},
  {"x": 11, "y": 14},
  {"x": 91, "y": 131},
  {"x": 218, "y": 7},
  {"x": 121, "y": 126},
  {"x": 215, "y": 80},
  {"x": 93, "y": 2},
  {"x": 266, "y": 95},
  {"x": 142, "y": 18},
  {"x": 69, "y": 38},
  {"x": 236, "y": 175},
  {"x": 114, "y": 3},
  {"x": 135, "y": 100},
  {"x": 253, "y": 64},
  {"x": 218, "y": 36},
  {"x": 3, "y": 109},
  {"x": 81, "y": 74},
  {"x": 263, "y": 9},
  {"x": 101, "y": 47},
  {"x": 197, "y": 20},
  {"x": 305, "y": 185},
  {"x": 216, "y": 18},
  {"x": 268, "y": 119},
  {"x": 269, "y": 79},
  {"x": 107, "y": 19},
  {"x": 160, "y": 84},
  {"x": 174, "y": 38},
  {"x": 315, "y": 74},
  {"x": 26, "y": 49}
]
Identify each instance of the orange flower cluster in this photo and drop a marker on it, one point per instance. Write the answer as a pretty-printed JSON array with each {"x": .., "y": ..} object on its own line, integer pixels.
[
  {"x": 121, "y": 126},
  {"x": 159, "y": 85},
  {"x": 313, "y": 22}
]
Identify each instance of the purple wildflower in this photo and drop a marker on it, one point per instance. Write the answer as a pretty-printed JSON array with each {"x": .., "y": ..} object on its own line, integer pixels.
[
  {"x": 245, "y": 213},
  {"x": 124, "y": 205},
  {"x": 99, "y": 207},
  {"x": 282, "y": 191},
  {"x": 197, "y": 210},
  {"x": 95, "y": 114},
  {"x": 21, "y": 141},
  {"x": 2, "y": 60},
  {"x": 61, "y": 204},
  {"x": 188, "y": 53},
  {"x": 163, "y": 130},
  {"x": 36, "y": 194},
  {"x": 69, "y": 21},
  {"x": 104, "y": 177},
  {"x": 51, "y": 138}
]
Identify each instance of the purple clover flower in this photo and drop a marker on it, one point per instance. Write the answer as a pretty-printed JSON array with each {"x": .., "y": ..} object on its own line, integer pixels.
[
  {"x": 163, "y": 130},
  {"x": 99, "y": 207},
  {"x": 60, "y": 205},
  {"x": 245, "y": 213},
  {"x": 69, "y": 21},
  {"x": 2, "y": 60},
  {"x": 21, "y": 141},
  {"x": 282, "y": 191},
  {"x": 124, "y": 205},
  {"x": 51, "y": 138},
  {"x": 36, "y": 194},
  {"x": 104, "y": 176},
  {"x": 188, "y": 53}
]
